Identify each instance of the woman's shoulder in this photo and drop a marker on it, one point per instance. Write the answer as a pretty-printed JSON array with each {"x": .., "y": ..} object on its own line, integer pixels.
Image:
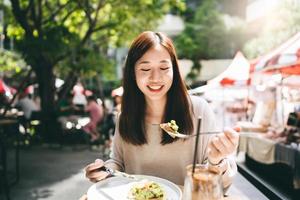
[
  {"x": 199, "y": 104},
  {"x": 203, "y": 109},
  {"x": 198, "y": 101}
]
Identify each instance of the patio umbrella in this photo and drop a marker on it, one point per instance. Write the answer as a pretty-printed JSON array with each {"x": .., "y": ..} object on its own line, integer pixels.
[
  {"x": 284, "y": 59},
  {"x": 235, "y": 77},
  {"x": 236, "y": 74},
  {"x": 289, "y": 69}
]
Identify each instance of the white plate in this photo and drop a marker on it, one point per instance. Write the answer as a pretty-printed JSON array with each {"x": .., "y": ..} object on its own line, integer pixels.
[{"x": 117, "y": 188}]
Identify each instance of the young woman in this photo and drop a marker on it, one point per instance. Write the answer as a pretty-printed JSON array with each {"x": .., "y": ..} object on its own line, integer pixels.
[{"x": 154, "y": 93}]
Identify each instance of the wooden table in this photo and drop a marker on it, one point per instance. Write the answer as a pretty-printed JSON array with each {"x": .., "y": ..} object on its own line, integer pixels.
[
  {"x": 3, "y": 156},
  {"x": 5, "y": 122}
]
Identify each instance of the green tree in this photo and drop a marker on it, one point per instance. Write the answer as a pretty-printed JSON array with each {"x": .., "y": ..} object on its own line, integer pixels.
[
  {"x": 207, "y": 36},
  {"x": 11, "y": 62},
  {"x": 279, "y": 26},
  {"x": 50, "y": 32}
]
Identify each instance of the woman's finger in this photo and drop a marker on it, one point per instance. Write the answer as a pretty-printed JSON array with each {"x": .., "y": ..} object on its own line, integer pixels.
[
  {"x": 99, "y": 177},
  {"x": 232, "y": 135},
  {"x": 98, "y": 174},
  {"x": 226, "y": 142},
  {"x": 213, "y": 150},
  {"x": 93, "y": 166},
  {"x": 223, "y": 144}
]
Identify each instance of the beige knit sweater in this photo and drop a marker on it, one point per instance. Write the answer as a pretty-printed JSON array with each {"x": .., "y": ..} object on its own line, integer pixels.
[{"x": 167, "y": 161}]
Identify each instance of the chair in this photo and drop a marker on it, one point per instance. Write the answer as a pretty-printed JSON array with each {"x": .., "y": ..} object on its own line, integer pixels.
[
  {"x": 8, "y": 126},
  {"x": 3, "y": 170}
]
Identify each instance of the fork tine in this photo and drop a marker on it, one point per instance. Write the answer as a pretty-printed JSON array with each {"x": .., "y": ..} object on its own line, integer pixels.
[{"x": 180, "y": 135}]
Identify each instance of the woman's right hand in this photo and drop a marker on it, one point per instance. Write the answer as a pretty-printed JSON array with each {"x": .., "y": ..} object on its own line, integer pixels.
[{"x": 93, "y": 173}]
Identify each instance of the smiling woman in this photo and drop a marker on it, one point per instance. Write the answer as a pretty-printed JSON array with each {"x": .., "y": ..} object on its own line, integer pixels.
[
  {"x": 152, "y": 79},
  {"x": 154, "y": 93}
]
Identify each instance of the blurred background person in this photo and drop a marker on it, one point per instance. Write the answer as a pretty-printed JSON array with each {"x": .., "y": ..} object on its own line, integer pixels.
[
  {"x": 67, "y": 111},
  {"x": 26, "y": 104},
  {"x": 79, "y": 98},
  {"x": 117, "y": 103},
  {"x": 117, "y": 99},
  {"x": 96, "y": 114},
  {"x": 66, "y": 105}
]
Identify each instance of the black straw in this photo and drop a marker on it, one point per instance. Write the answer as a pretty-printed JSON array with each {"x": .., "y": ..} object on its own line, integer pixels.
[{"x": 196, "y": 145}]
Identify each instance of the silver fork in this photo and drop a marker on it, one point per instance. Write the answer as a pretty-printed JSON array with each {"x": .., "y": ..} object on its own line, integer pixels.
[
  {"x": 175, "y": 134},
  {"x": 113, "y": 172}
]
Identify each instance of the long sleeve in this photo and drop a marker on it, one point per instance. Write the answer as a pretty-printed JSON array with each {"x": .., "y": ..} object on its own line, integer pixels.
[
  {"x": 208, "y": 124},
  {"x": 116, "y": 160}
]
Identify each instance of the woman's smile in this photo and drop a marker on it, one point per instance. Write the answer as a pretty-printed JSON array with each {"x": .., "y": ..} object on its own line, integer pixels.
[{"x": 155, "y": 88}]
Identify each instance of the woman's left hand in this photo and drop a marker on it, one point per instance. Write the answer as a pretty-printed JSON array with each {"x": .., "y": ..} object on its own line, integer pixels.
[{"x": 222, "y": 145}]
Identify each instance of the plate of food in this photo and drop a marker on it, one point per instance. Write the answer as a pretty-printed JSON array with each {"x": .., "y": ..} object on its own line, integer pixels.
[{"x": 144, "y": 188}]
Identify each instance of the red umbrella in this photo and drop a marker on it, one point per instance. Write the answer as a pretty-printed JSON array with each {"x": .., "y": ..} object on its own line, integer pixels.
[
  {"x": 237, "y": 73},
  {"x": 285, "y": 59},
  {"x": 292, "y": 69},
  {"x": 6, "y": 89}
]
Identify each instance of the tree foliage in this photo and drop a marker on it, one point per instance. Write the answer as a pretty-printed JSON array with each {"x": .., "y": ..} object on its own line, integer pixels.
[
  {"x": 207, "y": 36},
  {"x": 55, "y": 28},
  {"x": 76, "y": 35},
  {"x": 279, "y": 26},
  {"x": 11, "y": 62}
]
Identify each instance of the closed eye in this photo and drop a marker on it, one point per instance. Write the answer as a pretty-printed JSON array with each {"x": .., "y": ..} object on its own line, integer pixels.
[
  {"x": 145, "y": 70},
  {"x": 165, "y": 68}
]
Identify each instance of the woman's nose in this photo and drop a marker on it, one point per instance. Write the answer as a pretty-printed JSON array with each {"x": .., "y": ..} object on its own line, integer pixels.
[{"x": 155, "y": 75}]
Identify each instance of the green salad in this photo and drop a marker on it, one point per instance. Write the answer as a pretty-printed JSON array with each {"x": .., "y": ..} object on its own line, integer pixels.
[
  {"x": 148, "y": 190},
  {"x": 172, "y": 124}
]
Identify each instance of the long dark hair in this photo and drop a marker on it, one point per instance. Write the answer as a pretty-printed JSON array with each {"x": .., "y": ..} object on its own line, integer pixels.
[{"x": 132, "y": 118}]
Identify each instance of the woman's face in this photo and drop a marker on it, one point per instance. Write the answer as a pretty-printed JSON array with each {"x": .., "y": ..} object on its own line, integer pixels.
[{"x": 154, "y": 73}]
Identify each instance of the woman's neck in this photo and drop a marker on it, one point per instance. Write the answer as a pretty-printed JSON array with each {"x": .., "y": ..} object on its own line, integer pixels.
[{"x": 155, "y": 111}]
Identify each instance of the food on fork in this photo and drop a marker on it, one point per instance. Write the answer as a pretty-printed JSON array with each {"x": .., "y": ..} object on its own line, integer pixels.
[
  {"x": 146, "y": 190},
  {"x": 170, "y": 127}
]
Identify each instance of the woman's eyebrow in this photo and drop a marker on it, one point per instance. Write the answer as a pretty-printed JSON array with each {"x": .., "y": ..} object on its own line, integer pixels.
[
  {"x": 143, "y": 62},
  {"x": 147, "y": 62},
  {"x": 165, "y": 61}
]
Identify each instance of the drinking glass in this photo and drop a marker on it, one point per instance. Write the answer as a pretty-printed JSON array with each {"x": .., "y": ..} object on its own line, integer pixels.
[{"x": 204, "y": 184}]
